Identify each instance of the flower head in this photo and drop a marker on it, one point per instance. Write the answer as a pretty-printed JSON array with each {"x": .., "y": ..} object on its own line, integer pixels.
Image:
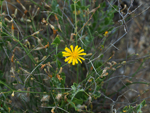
[
  {"x": 106, "y": 32},
  {"x": 73, "y": 55}
]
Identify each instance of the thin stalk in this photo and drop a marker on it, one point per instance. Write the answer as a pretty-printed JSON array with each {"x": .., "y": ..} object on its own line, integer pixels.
[
  {"x": 75, "y": 21},
  {"x": 76, "y": 34},
  {"x": 26, "y": 50},
  {"x": 1, "y": 82},
  {"x": 56, "y": 55}
]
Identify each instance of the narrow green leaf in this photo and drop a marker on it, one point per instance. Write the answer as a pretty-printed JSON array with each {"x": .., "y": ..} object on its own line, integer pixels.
[{"x": 56, "y": 41}]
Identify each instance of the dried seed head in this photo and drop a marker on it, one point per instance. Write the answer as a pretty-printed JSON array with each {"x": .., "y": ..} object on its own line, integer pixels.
[
  {"x": 65, "y": 98},
  {"x": 9, "y": 21},
  {"x": 109, "y": 63},
  {"x": 106, "y": 68},
  {"x": 123, "y": 62},
  {"x": 36, "y": 12},
  {"x": 56, "y": 17},
  {"x": 26, "y": 41},
  {"x": 28, "y": 20},
  {"x": 52, "y": 26},
  {"x": 114, "y": 63},
  {"x": 43, "y": 65},
  {"x": 58, "y": 97},
  {"x": 16, "y": 11},
  {"x": 36, "y": 59},
  {"x": 45, "y": 98},
  {"x": 45, "y": 70},
  {"x": 55, "y": 31},
  {"x": 50, "y": 76},
  {"x": 90, "y": 99},
  {"x": 18, "y": 49},
  {"x": 25, "y": 19},
  {"x": 23, "y": 7},
  {"x": 25, "y": 71},
  {"x": 52, "y": 110},
  {"x": 113, "y": 69},
  {"x": 44, "y": 21},
  {"x": 81, "y": 107},
  {"x": 46, "y": 46},
  {"x": 39, "y": 42},
  {"x": 43, "y": 58},
  {"x": 71, "y": 37},
  {"x": 119, "y": 66},
  {"x": 12, "y": 27},
  {"x": 18, "y": 1},
  {"x": 25, "y": 12},
  {"x": 19, "y": 90},
  {"x": 59, "y": 78},
  {"x": 39, "y": 48},
  {"x": 128, "y": 81},
  {"x": 60, "y": 71},
  {"x": 89, "y": 54},
  {"x": 12, "y": 58},
  {"x": 35, "y": 33},
  {"x": 13, "y": 94},
  {"x": 14, "y": 84},
  {"x": 48, "y": 64},
  {"x": 104, "y": 73},
  {"x": 12, "y": 70}
]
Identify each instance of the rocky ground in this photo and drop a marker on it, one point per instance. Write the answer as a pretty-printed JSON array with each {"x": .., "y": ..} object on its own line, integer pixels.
[{"x": 135, "y": 44}]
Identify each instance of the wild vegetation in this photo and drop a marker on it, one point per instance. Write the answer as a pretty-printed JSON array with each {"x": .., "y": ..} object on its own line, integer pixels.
[{"x": 60, "y": 56}]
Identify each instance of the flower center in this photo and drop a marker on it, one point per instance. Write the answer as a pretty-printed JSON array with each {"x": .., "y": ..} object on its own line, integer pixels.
[{"x": 74, "y": 55}]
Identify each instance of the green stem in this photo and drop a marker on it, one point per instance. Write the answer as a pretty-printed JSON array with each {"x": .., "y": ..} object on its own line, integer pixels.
[
  {"x": 26, "y": 50},
  {"x": 1, "y": 82},
  {"x": 76, "y": 35},
  {"x": 77, "y": 72},
  {"x": 56, "y": 55},
  {"x": 75, "y": 20}
]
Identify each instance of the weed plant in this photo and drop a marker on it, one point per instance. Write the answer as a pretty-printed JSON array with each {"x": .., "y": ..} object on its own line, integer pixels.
[{"x": 35, "y": 75}]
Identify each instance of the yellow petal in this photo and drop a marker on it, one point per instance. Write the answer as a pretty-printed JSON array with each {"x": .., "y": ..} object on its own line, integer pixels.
[
  {"x": 70, "y": 60},
  {"x": 76, "y": 61},
  {"x": 66, "y": 54},
  {"x": 67, "y": 49},
  {"x": 82, "y": 54},
  {"x": 71, "y": 48},
  {"x": 67, "y": 59},
  {"x": 73, "y": 62},
  {"x": 76, "y": 48},
  {"x": 79, "y": 60},
  {"x": 81, "y": 51}
]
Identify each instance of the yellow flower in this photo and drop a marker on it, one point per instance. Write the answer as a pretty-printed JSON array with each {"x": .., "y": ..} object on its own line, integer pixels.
[
  {"x": 73, "y": 55},
  {"x": 106, "y": 32},
  {"x": 124, "y": 111}
]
